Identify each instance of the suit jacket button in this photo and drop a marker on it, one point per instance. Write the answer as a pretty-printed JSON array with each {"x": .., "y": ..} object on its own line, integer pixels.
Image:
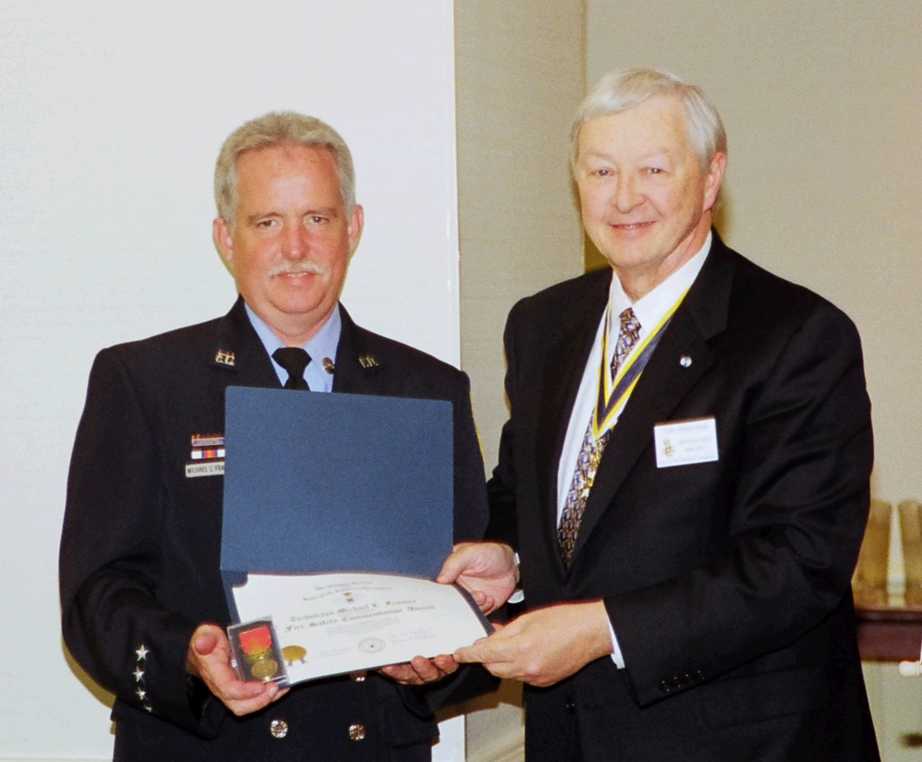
[
  {"x": 357, "y": 732},
  {"x": 664, "y": 686},
  {"x": 278, "y": 728},
  {"x": 358, "y": 677},
  {"x": 570, "y": 707}
]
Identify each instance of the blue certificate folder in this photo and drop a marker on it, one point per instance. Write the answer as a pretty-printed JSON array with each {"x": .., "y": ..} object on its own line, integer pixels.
[{"x": 334, "y": 482}]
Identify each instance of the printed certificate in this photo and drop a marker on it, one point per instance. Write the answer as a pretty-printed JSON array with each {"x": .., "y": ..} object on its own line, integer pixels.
[{"x": 327, "y": 624}]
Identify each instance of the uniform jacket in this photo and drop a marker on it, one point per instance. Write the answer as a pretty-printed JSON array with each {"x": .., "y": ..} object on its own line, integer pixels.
[
  {"x": 727, "y": 582},
  {"x": 141, "y": 544}
]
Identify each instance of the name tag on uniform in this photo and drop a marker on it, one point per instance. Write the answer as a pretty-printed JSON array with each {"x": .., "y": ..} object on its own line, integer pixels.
[
  {"x": 207, "y": 455},
  {"x": 213, "y": 468},
  {"x": 685, "y": 442}
]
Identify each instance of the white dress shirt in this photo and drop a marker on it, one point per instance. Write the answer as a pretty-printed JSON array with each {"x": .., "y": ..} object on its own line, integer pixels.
[
  {"x": 649, "y": 310},
  {"x": 321, "y": 346}
]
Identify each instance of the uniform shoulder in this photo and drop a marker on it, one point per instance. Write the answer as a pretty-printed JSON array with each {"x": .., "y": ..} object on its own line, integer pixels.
[
  {"x": 397, "y": 354},
  {"x": 169, "y": 346}
]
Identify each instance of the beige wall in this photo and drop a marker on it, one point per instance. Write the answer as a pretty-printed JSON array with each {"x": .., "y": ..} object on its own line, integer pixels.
[{"x": 519, "y": 74}]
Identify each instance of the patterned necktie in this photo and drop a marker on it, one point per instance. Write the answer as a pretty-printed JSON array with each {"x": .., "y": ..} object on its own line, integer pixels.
[
  {"x": 294, "y": 360},
  {"x": 590, "y": 453}
]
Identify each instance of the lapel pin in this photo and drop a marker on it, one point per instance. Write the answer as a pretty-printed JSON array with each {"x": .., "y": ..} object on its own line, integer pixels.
[
  {"x": 223, "y": 357},
  {"x": 685, "y": 361},
  {"x": 368, "y": 361},
  {"x": 329, "y": 366}
]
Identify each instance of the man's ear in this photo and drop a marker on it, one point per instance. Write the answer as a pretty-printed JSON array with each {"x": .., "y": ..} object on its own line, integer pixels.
[
  {"x": 356, "y": 225},
  {"x": 713, "y": 179},
  {"x": 223, "y": 241}
]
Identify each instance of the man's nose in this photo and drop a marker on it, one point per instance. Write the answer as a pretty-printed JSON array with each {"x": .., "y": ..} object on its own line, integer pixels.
[
  {"x": 295, "y": 242},
  {"x": 627, "y": 195}
]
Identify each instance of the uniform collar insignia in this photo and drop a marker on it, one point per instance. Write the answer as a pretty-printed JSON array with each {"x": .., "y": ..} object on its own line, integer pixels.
[
  {"x": 225, "y": 358},
  {"x": 368, "y": 361}
]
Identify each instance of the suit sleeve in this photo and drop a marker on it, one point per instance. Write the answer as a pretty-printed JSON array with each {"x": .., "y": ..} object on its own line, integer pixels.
[
  {"x": 110, "y": 555},
  {"x": 796, "y": 516},
  {"x": 501, "y": 488}
]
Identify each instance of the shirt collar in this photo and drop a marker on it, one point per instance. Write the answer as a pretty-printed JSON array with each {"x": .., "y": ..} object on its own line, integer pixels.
[
  {"x": 321, "y": 345},
  {"x": 651, "y": 307}
]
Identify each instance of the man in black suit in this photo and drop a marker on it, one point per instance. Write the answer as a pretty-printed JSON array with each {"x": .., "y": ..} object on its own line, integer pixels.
[
  {"x": 142, "y": 603},
  {"x": 684, "y": 474}
]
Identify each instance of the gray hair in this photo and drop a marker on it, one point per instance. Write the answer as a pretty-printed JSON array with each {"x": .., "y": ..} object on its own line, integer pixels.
[
  {"x": 275, "y": 129},
  {"x": 623, "y": 89}
]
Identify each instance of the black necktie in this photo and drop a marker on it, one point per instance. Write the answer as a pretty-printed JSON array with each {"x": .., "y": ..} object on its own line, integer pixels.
[{"x": 294, "y": 360}]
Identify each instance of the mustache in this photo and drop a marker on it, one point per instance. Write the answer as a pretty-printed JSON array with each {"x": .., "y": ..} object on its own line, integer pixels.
[{"x": 312, "y": 268}]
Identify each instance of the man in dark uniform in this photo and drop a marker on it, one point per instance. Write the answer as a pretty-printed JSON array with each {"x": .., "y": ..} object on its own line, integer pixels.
[{"x": 142, "y": 603}]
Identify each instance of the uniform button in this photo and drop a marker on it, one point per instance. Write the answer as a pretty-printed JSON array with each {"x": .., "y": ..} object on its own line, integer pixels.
[
  {"x": 357, "y": 732},
  {"x": 570, "y": 707},
  {"x": 278, "y": 728},
  {"x": 359, "y": 677}
]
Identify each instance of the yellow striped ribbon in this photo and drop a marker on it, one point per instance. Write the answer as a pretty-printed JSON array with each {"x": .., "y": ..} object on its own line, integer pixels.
[{"x": 609, "y": 407}]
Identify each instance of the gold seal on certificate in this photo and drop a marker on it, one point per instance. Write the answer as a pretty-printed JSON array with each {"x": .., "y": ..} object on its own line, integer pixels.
[
  {"x": 348, "y": 622},
  {"x": 294, "y": 653}
]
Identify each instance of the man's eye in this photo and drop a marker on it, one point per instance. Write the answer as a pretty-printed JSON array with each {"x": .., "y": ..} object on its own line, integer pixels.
[
  {"x": 655, "y": 170},
  {"x": 264, "y": 224},
  {"x": 317, "y": 219},
  {"x": 602, "y": 172}
]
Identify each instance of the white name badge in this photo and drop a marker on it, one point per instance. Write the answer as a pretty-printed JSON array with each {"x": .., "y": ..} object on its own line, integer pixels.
[
  {"x": 685, "y": 442},
  {"x": 212, "y": 468}
]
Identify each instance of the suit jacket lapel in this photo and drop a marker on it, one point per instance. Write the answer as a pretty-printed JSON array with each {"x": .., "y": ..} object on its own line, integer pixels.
[
  {"x": 565, "y": 360},
  {"x": 357, "y": 365},
  {"x": 665, "y": 381},
  {"x": 238, "y": 356}
]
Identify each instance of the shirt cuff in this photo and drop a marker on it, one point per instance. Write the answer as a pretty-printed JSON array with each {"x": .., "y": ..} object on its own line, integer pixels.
[
  {"x": 616, "y": 656},
  {"x": 518, "y": 595}
]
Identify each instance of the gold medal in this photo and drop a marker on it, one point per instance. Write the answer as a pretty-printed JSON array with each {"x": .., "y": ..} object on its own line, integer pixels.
[{"x": 265, "y": 669}]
